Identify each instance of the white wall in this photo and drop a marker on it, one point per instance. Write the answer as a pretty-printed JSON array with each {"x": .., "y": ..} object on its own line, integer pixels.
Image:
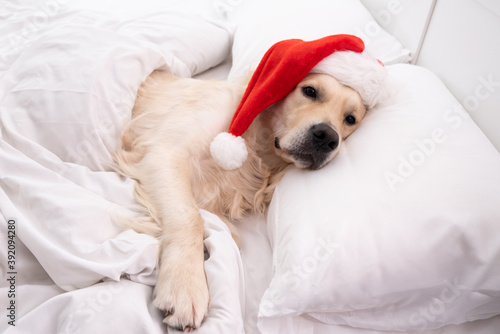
[
  {"x": 404, "y": 19},
  {"x": 459, "y": 40},
  {"x": 462, "y": 47}
]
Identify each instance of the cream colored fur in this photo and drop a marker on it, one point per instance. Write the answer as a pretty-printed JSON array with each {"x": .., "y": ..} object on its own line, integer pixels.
[{"x": 165, "y": 148}]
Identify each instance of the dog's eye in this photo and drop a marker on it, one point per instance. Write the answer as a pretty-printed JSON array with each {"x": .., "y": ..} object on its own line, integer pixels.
[
  {"x": 351, "y": 120},
  {"x": 309, "y": 92}
]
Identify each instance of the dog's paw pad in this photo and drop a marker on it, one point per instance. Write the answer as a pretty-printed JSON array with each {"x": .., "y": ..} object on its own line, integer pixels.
[
  {"x": 175, "y": 322},
  {"x": 184, "y": 309}
]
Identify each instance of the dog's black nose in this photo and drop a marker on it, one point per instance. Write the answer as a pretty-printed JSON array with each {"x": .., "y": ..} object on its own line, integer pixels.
[{"x": 324, "y": 137}]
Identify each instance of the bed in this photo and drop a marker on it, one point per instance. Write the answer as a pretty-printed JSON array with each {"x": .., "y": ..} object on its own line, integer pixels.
[{"x": 398, "y": 234}]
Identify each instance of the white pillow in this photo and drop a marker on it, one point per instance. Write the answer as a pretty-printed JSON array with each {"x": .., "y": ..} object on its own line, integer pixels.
[
  {"x": 200, "y": 43},
  {"x": 400, "y": 231},
  {"x": 262, "y": 23}
]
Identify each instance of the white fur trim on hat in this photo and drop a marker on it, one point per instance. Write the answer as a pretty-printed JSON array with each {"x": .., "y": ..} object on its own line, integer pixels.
[
  {"x": 228, "y": 151},
  {"x": 359, "y": 71}
]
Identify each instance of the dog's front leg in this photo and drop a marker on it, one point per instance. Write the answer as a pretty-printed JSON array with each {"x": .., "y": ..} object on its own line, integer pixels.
[{"x": 181, "y": 290}]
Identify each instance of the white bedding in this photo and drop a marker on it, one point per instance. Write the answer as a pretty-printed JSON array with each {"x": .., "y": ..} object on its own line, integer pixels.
[{"x": 69, "y": 75}]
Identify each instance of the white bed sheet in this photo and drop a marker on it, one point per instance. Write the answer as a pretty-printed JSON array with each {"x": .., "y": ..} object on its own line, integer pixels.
[{"x": 77, "y": 270}]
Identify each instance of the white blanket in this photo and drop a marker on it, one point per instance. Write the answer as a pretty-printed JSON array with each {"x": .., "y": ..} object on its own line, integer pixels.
[{"x": 65, "y": 96}]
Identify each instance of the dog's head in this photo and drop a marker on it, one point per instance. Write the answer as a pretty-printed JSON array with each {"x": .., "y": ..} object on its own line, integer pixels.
[
  {"x": 310, "y": 124},
  {"x": 313, "y": 108}
]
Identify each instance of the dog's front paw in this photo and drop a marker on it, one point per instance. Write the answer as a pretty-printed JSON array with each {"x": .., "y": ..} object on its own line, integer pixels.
[{"x": 182, "y": 293}]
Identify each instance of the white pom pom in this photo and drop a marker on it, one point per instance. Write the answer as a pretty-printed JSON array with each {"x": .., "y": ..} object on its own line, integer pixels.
[{"x": 228, "y": 151}]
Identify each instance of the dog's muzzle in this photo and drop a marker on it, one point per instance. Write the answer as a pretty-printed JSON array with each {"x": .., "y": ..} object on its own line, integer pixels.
[{"x": 315, "y": 148}]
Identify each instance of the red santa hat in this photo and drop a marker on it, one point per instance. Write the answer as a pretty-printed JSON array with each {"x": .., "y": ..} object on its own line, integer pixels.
[{"x": 283, "y": 66}]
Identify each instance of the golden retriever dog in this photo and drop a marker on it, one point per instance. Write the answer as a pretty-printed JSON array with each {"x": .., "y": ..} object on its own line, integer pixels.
[{"x": 166, "y": 149}]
